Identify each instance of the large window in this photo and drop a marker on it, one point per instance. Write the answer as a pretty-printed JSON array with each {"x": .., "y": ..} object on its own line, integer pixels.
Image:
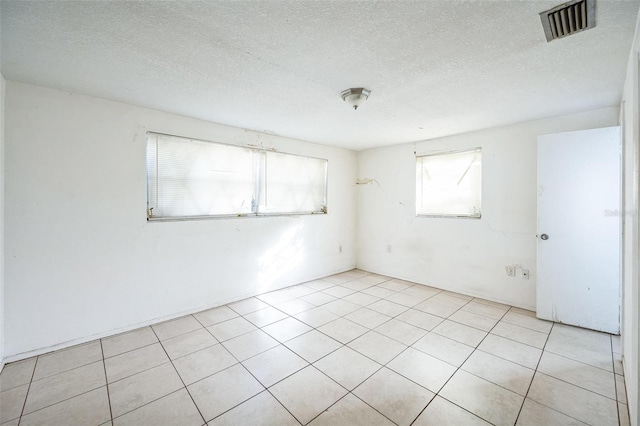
[
  {"x": 449, "y": 184},
  {"x": 189, "y": 178}
]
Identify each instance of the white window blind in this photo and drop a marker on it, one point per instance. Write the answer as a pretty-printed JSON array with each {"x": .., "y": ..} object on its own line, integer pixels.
[
  {"x": 191, "y": 178},
  {"x": 449, "y": 184},
  {"x": 293, "y": 184}
]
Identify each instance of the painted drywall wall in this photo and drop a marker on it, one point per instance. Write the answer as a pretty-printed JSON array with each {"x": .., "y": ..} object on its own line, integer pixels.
[
  {"x": 2, "y": 300},
  {"x": 631, "y": 170},
  {"x": 463, "y": 255},
  {"x": 81, "y": 259}
]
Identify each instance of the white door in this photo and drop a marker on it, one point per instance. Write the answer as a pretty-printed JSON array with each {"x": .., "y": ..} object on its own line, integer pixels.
[{"x": 578, "y": 255}]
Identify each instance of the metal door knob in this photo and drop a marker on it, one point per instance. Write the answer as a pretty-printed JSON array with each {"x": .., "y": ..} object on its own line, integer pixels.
[{"x": 544, "y": 237}]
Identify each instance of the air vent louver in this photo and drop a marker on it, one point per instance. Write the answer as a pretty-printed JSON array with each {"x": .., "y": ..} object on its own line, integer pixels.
[{"x": 569, "y": 18}]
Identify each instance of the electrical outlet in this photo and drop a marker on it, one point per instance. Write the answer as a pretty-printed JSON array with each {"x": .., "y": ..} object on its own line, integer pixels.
[
  {"x": 511, "y": 271},
  {"x": 525, "y": 274}
]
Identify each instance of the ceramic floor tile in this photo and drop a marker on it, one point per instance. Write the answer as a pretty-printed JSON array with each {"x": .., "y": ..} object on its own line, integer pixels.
[
  {"x": 276, "y": 297},
  {"x": 401, "y": 331},
  {"x": 516, "y": 317},
  {"x": 223, "y": 391},
  {"x": 520, "y": 334},
  {"x": 573, "y": 401},
  {"x": 579, "y": 374},
  {"x": 396, "y": 397},
  {"x": 378, "y": 292},
  {"x": 473, "y": 320},
  {"x": 623, "y": 414},
  {"x": 247, "y": 306},
  {"x": 438, "y": 308},
  {"x": 266, "y": 316},
  {"x": 420, "y": 290},
  {"x": 67, "y": 359},
  {"x": 489, "y": 401},
  {"x": 273, "y": 365},
  {"x": 250, "y": 344},
  {"x": 129, "y": 363},
  {"x": 91, "y": 408},
  {"x": 526, "y": 312},
  {"x": 495, "y": 304},
  {"x": 59, "y": 387},
  {"x": 337, "y": 279},
  {"x": 347, "y": 367},
  {"x": 175, "y": 409},
  {"x": 340, "y": 307},
  {"x": 339, "y": 291},
  {"x": 616, "y": 344},
  {"x": 395, "y": 285},
  {"x": 507, "y": 374},
  {"x": 204, "y": 363},
  {"x": 443, "y": 348},
  {"x": 351, "y": 411},
  {"x": 130, "y": 341},
  {"x": 461, "y": 333},
  {"x": 142, "y": 388},
  {"x": 377, "y": 347},
  {"x": 425, "y": 370},
  {"x": 17, "y": 374},
  {"x": 187, "y": 343},
  {"x": 388, "y": 308},
  {"x": 295, "y": 306},
  {"x": 367, "y": 318},
  {"x": 343, "y": 330},
  {"x": 441, "y": 412},
  {"x": 374, "y": 279},
  {"x": 318, "y": 298},
  {"x": 511, "y": 350},
  {"x": 617, "y": 364},
  {"x": 263, "y": 409},
  {"x": 589, "y": 347},
  {"x": 13, "y": 422},
  {"x": 405, "y": 299},
  {"x": 286, "y": 329},
  {"x": 318, "y": 285},
  {"x": 316, "y": 317},
  {"x": 176, "y": 327},
  {"x": 534, "y": 414},
  {"x": 215, "y": 315},
  {"x": 457, "y": 295},
  {"x": 480, "y": 308},
  {"x": 313, "y": 345},
  {"x": 299, "y": 290},
  {"x": 621, "y": 390},
  {"x": 362, "y": 299},
  {"x": 307, "y": 393},
  {"x": 420, "y": 319},
  {"x": 357, "y": 285},
  {"x": 232, "y": 328},
  {"x": 11, "y": 402}
]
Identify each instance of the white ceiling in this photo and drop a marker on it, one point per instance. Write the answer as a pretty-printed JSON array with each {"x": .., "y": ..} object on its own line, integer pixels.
[{"x": 435, "y": 68}]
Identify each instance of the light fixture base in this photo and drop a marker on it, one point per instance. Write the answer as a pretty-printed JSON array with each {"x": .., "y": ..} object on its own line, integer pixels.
[{"x": 355, "y": 96}]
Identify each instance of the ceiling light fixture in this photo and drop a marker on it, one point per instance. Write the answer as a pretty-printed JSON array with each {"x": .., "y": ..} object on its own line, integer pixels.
[{"x": 355, "y": 97}]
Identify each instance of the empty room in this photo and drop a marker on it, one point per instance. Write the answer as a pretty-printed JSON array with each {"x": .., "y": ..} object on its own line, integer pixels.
[{"x": 319, "y": 212}]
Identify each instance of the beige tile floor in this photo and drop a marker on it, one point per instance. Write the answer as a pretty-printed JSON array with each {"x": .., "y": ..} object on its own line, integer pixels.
[{"x": 350, "y": 349}]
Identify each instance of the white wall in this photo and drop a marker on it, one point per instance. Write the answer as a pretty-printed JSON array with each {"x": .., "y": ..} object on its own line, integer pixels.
[
  {"x": 631, "y": 226},
  {"x": 81, "y": 259},
  {"x": 463, "y": 255},
  {"x": 2, "y": 300}
]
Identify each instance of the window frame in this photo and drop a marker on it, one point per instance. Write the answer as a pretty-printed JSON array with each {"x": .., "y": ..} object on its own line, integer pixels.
[
  {"x": 260, "y": 182},
  {"x": 450, "y": 216}
]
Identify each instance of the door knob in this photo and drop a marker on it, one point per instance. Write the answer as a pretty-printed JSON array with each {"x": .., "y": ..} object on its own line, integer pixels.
[{"x": 544, "y": 237}]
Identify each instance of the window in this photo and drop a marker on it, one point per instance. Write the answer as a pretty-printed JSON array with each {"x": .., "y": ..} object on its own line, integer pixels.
[
  {"x": 188, "y": 178},
  {"x": 449, "y": 184}
]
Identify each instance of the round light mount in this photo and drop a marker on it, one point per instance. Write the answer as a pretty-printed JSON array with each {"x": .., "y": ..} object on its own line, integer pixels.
[{"x": 355, "y": 96}]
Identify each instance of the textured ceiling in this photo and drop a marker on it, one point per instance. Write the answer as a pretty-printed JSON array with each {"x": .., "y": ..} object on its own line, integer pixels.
[{"x": 435, "y": 68}]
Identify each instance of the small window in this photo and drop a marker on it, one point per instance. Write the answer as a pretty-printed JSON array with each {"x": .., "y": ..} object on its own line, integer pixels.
[
  {"x": 188, "y": 178},
  {"x": 449, "y": 184}
]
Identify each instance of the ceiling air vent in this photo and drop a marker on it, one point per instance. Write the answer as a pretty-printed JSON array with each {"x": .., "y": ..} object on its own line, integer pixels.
[{"x": 569, "y": 18}]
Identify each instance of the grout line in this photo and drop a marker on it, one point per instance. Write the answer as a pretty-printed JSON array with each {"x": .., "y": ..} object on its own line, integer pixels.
[
  {"x": 104, "y": 365},
  {"x": 24, "y": 405}
]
